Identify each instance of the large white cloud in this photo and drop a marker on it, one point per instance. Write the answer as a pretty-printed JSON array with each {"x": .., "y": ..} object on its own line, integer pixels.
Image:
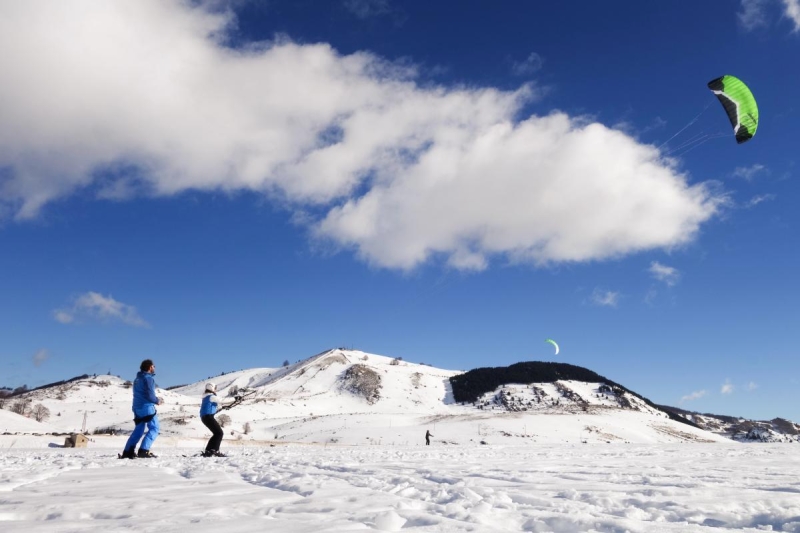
[{"x": 399, "y": 172}]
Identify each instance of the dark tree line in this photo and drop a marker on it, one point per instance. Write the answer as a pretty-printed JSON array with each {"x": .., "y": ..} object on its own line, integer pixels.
[
  {"x": 471, "y": 385},
  {"x": 6, "y": 392}
]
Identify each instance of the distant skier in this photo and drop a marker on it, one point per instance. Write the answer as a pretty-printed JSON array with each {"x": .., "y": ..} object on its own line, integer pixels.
[
  {"x": 211, "y": 403},
  {"x": 428, "y": 436},
  {"x": 144, "y": 412}
]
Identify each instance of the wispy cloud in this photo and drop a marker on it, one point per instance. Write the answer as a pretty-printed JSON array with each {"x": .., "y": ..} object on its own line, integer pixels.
[
  {"x": 693, "y": 396},
  {"x": 792, "y": 12},
  {"x": 604, "y": 297},
  {"x": 667, "y": 274},
  {"x": 365, "y": 9},
  {"x": 751, "y": 386},
  {"x": 95, "y": 306},
  {"x": 393, "y": 170},
  {"x": 754, "y": 14},
  {"x": 531, "y": 65},
  {"x": 650, "y": 296},
  {"x": 751, "y": 172},
  {"x": 40, "y": 357},
  {"x": 755, "y": 200},
  {"x": 727, "y": 387}
]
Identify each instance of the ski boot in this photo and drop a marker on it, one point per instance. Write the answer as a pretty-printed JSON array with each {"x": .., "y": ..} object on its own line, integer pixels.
[{"x": 213, "y": 453}]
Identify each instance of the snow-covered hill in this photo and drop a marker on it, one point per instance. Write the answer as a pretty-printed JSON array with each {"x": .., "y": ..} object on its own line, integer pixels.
[
  {"x": 349, "y": 397},
  {"x": 744, "y": 430},
  {"x": 564, "y": 396},
  {"x": 13, "y": 423}
]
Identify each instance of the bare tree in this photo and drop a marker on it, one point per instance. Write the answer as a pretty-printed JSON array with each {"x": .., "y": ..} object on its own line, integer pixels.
[
  {"x": 21, "y": 406},
  {"x": 223, "y": 420},
  {"x": 40, "y": 412}
]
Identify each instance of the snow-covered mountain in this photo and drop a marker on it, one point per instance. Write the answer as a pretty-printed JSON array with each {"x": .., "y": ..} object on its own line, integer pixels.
[
  {"x": 742, "y": 429},
  {"x": 352, "y": 397}
]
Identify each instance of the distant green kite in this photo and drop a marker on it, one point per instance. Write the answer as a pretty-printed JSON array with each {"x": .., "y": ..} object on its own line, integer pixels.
[
  {"x": 551, "y": 341},
  {"x": 739, "y": 104}
]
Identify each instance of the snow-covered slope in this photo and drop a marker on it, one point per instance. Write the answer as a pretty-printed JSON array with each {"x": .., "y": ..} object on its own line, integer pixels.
[
  {"x": 744, "y": 430},
  {"x": 252, "y": 378},
  {"x": 14, "y": 423},
  {"x": 352, "y": 397},
  {"x": 563, "y": 396}
]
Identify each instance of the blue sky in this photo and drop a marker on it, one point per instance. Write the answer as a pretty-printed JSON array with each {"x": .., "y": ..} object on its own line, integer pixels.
[{"x": 228, "y": 185}]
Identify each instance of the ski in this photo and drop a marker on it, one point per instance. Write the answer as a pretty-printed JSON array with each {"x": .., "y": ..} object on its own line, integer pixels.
[{"x": 203, "y": 454}]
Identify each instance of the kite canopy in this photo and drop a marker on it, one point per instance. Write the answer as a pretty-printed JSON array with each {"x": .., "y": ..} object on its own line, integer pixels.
[
  {"x": 739, "y": 104},
  {"x": 551, "y": 341}
]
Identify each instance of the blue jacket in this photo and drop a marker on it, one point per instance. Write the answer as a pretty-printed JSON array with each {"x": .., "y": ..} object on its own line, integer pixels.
[
  {"x": 144, "y": 394},
  {"x": 209, "y": 405}
]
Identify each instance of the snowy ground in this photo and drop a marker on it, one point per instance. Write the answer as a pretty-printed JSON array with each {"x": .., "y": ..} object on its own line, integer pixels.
[
  {"x": 308, "y": 454},
  {"x": 292, "y": 488}
]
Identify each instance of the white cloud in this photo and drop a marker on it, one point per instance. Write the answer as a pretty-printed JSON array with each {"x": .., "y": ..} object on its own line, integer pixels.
[
  {"x": 667, "y": 274},
  {"x": 792, "y": 12},
  {"x": 532, "y": 64},
  {"x": 64, "y": 316},
  {"x": 604, "y": 297},
  {"x": 397, "y": 172},
  {"x": 693, "y": 396},
  {"x": 752, "y": 386},
  {"x": 755, "y": 200},
  {"x": 752, "y": 14},
  {"x": 40, "y": 357},
  {"x": 727, "y": 387},
  {"x": 95, "y": 306},
  {"x": 750, "y": 173}
]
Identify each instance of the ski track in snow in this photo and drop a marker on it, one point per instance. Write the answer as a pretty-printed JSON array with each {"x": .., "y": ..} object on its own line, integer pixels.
[{"x": 301, "y": 488}]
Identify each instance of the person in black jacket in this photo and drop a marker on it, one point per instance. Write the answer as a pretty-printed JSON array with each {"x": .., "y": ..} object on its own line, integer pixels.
[{"x": 428, "y": 436}]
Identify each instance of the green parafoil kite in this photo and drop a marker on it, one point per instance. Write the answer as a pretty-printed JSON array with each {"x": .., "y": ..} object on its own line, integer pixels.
[
  {"x": 739, "y": 104},
  {"x": 551, "y": 341}
]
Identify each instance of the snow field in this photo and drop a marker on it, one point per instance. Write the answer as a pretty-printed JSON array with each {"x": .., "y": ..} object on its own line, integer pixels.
[{"x": 297, "y": 488}]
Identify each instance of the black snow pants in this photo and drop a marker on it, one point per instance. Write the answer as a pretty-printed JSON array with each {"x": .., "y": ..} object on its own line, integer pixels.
[{"x": 216, "y": 439}]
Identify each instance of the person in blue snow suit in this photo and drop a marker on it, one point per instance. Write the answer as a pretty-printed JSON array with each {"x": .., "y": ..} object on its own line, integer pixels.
[
  {"x": 144, "y": 412},
  {"x": 208, "y": 408}
]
